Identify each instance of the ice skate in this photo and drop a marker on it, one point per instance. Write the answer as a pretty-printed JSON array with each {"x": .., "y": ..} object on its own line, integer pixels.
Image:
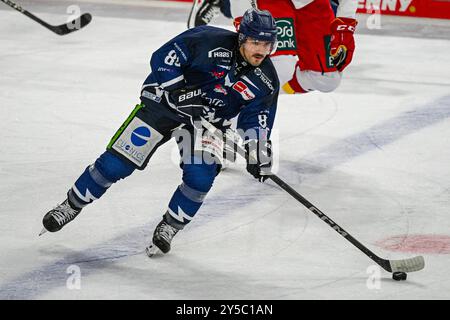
[
  {"x": 58, "y": 217},
  {"x": 203, "y": 12},
  {"x": 162, "y": 237}
]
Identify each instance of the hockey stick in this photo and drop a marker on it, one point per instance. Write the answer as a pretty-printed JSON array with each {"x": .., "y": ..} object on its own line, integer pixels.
[
  {"x": 405, "y": 265},
  {"x": 62, "y": 29}
]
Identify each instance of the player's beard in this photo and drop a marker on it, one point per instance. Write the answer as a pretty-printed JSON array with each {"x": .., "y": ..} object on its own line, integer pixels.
[
  {"x": 254, "y": 59},
  {"x": 257, "y": 59}
]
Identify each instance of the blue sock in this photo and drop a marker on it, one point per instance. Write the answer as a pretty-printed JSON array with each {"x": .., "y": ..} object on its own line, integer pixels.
[
  {"x": 97, "y": 178},
  {"x": 189, "y": 196}
]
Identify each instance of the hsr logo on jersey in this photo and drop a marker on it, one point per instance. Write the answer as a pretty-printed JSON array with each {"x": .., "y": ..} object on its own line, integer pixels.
[
  {"x": 245, "y": 92},
  {"x": 220, "y": 53}
]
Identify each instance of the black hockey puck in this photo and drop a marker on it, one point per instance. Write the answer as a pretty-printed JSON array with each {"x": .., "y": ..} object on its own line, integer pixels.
[{"x": 398, "y": 276}]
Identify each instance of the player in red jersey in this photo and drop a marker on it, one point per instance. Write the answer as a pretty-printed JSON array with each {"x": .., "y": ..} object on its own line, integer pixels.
[{"x": 315, "y": 43}]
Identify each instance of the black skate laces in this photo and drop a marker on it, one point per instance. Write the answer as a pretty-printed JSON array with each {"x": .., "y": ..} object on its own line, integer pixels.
[
  {"x": 64, "y": 213},
  {"x": 209, "y": 11},
  {"x": 166, "y": 231}
]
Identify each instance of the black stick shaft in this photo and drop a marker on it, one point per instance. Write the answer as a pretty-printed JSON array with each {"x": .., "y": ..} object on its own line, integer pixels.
[
  {"x": 13, "y": 5},
  {"x": 404, "y": 265},
  {"x": 61, "y": 29},
  {"x": 25, "y": 12},
  {"x": 322, "y": 216}
]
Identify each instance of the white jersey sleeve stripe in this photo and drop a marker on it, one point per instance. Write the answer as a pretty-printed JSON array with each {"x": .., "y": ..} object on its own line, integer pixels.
[{"x": 172, "y": 82}]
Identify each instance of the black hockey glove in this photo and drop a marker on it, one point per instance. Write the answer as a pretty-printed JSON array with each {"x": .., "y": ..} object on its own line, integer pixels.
[
  {"x": 190, "y": 104},
  {"x": 259, "y": 158}
]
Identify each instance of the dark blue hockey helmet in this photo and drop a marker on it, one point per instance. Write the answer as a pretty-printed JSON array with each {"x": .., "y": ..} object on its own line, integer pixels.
[{"x": 259, "y": 25}]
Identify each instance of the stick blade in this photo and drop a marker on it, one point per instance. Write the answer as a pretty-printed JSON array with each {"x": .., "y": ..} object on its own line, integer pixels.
[
  {"x": 85, "y": 18},
  {"x": 73, "y": 25},
  {"x": 408, "y": 265}
]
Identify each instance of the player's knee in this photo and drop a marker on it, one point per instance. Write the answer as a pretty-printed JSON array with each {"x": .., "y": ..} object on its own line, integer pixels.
[
  {"x": 112, "y": 168},
  {"x": 199, "y": 177}
]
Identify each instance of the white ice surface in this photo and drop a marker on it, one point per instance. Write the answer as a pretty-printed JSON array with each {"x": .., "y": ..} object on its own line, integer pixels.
[{"x": 374, "y": 156}]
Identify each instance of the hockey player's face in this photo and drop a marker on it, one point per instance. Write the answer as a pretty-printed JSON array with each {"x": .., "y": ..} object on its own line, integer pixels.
[{"x": 254, "y": 51}]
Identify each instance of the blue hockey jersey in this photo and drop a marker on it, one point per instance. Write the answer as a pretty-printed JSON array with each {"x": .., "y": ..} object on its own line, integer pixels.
[{"x": 208, "y": 58}]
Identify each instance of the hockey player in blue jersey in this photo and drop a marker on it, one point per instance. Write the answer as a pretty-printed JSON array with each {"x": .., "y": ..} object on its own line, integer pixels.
[{"x": 205, "y": 73}]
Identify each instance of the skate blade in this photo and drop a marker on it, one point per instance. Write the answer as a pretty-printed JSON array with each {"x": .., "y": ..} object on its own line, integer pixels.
[
  {"x": 193, "y": 13},
  {"x": 151, "y": 250}
]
